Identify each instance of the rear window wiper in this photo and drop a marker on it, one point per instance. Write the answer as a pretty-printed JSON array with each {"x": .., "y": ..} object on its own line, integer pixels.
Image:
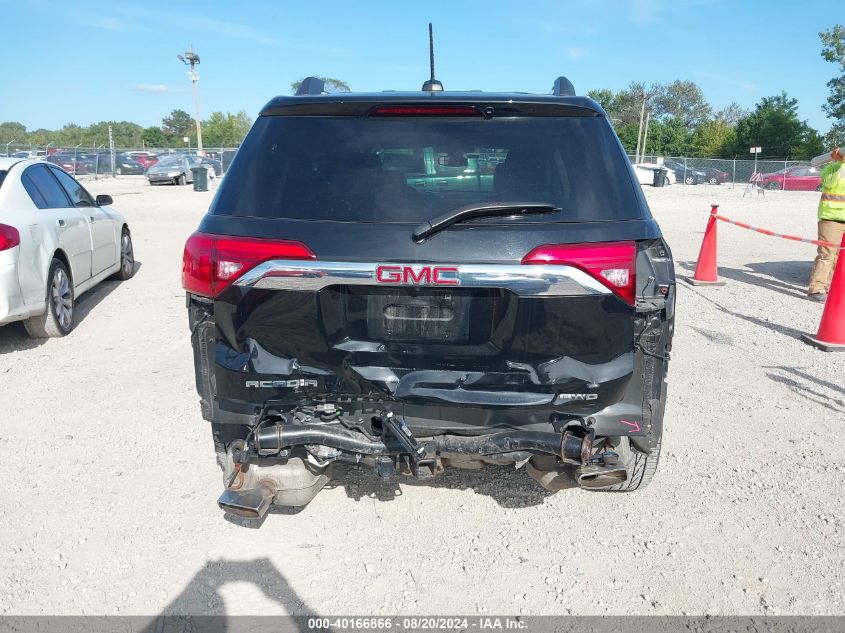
[{"x": 429, "y": 228}]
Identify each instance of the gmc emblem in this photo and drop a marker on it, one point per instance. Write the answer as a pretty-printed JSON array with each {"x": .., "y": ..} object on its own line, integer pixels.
[{"x": 418, "y": 275}]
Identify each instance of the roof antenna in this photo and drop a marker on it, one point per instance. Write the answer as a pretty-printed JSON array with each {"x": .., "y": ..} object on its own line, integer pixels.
[{"x": 432, "y": 85}]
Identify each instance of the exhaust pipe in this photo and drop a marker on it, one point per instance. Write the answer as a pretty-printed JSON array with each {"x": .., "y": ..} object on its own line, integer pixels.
[
  {"x": 597, "y": 477},
  {"x": 250, "y": 504}
]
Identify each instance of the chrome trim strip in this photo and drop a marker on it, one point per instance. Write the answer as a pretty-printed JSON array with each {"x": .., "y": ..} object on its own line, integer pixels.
[{"x": 524, "y": 280}]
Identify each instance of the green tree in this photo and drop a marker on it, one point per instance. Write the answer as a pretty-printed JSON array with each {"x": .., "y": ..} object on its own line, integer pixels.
[
  {"x": 732, "y": 114},
  {"x": 225, "y": 130},
  {"x": 176, "y": 125},
  {"x": 833, "y": 50},
  {"x": 335, "y": 84},
  {"x": 670, "y": 137},
  {"x": 774, "y": 125},
  {"x": 603, "y": 97},
  {"x": 715, "y": 137},
  {"x": 12, "y": 130},
  {"x": 153, "y": 137},
  {"x": 681, "y": 100}
]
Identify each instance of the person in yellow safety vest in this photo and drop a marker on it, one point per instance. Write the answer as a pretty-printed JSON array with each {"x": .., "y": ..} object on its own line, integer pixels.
[{"x": 831, "y": 225}]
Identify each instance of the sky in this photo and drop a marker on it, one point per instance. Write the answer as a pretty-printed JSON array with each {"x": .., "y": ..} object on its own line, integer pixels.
[{"x": 83, "y": 62}]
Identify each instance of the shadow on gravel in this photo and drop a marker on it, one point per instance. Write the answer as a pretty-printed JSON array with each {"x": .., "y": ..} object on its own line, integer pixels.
[
  {"x": 801, "y": 383},
  {"x": 200, "y": 605},
  {"x": 508, "y": 487},
  {"x": 774, "y": 327},
  {"x": 13, "y": 337},
  {"x": 788, "y": 278}
]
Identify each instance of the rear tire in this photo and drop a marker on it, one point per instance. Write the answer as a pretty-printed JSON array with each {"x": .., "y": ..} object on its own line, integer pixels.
[
  {"x": 57, "y": 319},
  {"x": 713, "y": 180},
  {"x": 773, "y": 186},
  {"x": 181, "y": 180},
  {"x": 643, "y": 468}
]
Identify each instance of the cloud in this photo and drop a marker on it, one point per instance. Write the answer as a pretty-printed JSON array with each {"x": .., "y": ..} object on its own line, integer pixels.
[
  {"x": 155, "y": 88},
  {"x": 576, "y": 52}
]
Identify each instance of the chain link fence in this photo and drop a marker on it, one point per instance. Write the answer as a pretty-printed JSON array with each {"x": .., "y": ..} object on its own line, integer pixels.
[
  {"x": 790, "y": 175},
  {"x": 97, "y": 160}
]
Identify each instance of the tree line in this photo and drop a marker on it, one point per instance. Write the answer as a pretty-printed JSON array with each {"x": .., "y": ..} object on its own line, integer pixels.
[{"x": 221, "y": 129}]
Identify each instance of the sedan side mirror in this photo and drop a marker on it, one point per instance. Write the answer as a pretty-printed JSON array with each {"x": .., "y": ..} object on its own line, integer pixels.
[{"x": 104, "y": 200}]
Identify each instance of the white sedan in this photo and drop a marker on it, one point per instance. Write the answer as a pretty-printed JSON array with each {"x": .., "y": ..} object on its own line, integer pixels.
[
  {"x": 56, "y": 242},
  {"x": 645, "y": 173}
]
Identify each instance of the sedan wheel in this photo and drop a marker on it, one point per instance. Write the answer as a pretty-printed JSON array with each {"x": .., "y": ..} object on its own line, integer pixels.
[
  {"x": 690, "y": 180},
  {"x": 57, "y": 319},
  {"x": 713, "y": 180},
  {"x": 127, "y": 257}
]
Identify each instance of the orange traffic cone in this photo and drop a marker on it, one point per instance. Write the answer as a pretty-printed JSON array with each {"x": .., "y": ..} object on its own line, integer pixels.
[
  {"x": 831, "y": 334},
  {"x": 705, "y": 269}
]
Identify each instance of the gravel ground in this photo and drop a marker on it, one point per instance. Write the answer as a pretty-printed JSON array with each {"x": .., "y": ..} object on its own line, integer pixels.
[{"x": 110, "y": 506}]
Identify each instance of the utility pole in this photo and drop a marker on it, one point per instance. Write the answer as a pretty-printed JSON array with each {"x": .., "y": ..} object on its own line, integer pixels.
[
  {"x": 637, "y": 158},
  {"x": 192, "y": 59},
  {"x": 645, "y": 135}
]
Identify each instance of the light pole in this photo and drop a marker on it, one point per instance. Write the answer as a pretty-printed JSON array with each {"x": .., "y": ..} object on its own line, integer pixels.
[
  {"x": 47, "y": 149},
  {"x": 75, "y": 150},
  {"x": 192, "y": 59},
  {"x": 7, "y": 146}
]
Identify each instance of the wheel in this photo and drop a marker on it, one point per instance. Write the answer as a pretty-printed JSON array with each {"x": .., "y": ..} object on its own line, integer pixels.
[
  {"x": 690, "y": 180},
  {"x": 819, "y": 188},
  {"x": 119, "y": 171},
  {"x": 773, "y": 185},
  {"x": 57, "y": 319},
  {"x": 127, "y": 257},
  {"x": 181, "y": 180},
  {"x": 642, "y": 470},
  {"x": 713, "y": 180}
]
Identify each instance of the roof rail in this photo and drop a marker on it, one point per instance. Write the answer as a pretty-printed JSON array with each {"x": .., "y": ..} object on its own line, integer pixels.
[
  {"x": 563, "y": 88},
  {"x": 311, "y": 86}
]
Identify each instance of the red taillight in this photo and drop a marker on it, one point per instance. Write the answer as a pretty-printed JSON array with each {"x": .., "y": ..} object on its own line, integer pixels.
[
  {"x": 612, "y": 263},
  {"x": 9, "y": 237},
  {"x": 426, "y": 111},
  {"x": 211, "y": 263}
]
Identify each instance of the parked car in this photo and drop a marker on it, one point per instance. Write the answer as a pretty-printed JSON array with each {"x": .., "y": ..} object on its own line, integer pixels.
[
  {"x": 645, "y": 173},
  {"x": 715, "y": 176},
  {"x": 343, "y": 310},
  {"x": 125, "y": 165},
  {"x": 174, "y": 169},
  {"x": 797, "y": 178},
  {"x": 685, "y": 173},
  {"x": 56, "y": 242},
  {"x": 147, "y": 159},
  {"x": 71, "y": 164}
]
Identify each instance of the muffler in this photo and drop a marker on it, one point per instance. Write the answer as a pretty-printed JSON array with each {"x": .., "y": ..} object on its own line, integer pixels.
[{"x": 251, "y": 504}]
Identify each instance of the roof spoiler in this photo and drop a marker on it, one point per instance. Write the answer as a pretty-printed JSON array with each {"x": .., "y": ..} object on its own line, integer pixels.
[{"x": 563, "y": 88}]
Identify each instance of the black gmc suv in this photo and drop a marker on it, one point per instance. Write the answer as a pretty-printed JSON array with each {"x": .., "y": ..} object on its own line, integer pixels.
[{"x": 413, "y": 281}]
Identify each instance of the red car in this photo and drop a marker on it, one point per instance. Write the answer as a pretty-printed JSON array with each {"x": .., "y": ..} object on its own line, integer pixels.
[
  {"x": 145, "y": 158},
  {"x": 67, "y": 162},
  {"x": 797, "y": 178}
]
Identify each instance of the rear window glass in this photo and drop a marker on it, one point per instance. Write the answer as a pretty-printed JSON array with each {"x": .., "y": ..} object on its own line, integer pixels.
[{"x": 411, "y": 170}]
